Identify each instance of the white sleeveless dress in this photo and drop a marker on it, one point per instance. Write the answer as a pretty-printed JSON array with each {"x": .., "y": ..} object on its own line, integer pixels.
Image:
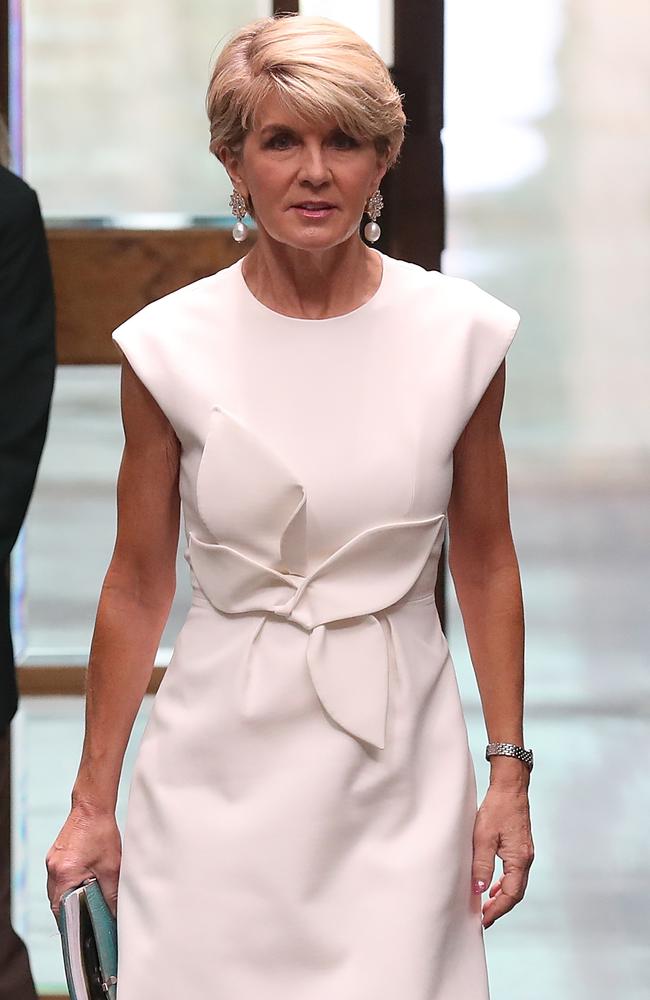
[{"x": 300, "y": 816}]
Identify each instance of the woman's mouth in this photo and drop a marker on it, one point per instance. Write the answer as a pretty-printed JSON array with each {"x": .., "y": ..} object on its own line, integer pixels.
[{"x": 314, "y": 209}]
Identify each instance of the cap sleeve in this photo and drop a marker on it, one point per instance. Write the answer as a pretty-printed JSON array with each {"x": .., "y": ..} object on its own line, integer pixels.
[
  {"x": 147, "y": 353},
  {"x": 492, "y": 328}
]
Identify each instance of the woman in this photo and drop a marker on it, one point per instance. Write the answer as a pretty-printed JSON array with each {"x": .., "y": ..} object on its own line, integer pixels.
[{"x": 302, "y": 816}]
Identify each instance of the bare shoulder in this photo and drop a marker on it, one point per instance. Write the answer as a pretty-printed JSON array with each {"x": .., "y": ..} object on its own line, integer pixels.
[
  {"x": 148, "y": 497},
  {"x": 478, "y": 504},
  {"x": 146, "y": 427}
]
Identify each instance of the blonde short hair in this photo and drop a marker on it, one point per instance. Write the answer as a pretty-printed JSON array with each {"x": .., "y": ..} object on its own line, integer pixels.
[{"x": 318, "y": 67}]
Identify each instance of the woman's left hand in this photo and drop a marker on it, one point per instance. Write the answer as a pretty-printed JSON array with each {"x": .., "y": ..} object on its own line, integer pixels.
[{"x": 502, "y": 827}]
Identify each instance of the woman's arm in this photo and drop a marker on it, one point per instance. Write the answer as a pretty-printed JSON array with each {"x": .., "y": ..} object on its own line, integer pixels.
[
  {"x": 136, "y": 595},
  {"x": 484, "y": 567},
  {"x": 485, "y": 571}
]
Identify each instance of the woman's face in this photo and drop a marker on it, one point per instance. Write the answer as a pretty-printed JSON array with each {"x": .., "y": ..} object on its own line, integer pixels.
[{"x": 287, "y": 163}]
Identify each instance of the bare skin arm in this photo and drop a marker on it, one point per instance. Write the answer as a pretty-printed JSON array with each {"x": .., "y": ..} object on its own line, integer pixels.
[
  {"x": 485, "y": 570},
  {"x": 133, "y": 607}
]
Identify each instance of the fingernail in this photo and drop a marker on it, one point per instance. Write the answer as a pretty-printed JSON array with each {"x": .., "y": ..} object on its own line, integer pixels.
[{"x": 478, "y": 886}]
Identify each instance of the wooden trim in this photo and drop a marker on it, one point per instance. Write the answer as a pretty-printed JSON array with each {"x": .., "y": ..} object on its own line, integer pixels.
[
  {"x": 413, "y": 216},
  {"x": 104, "y": 276},
  {"x": 4, "y": 60},
  {"x": 286, "y": 6},
  {"x": 65, "y": 680}
]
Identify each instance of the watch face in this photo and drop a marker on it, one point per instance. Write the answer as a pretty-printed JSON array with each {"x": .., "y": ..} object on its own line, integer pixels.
[{"x": 89, "y": 952}]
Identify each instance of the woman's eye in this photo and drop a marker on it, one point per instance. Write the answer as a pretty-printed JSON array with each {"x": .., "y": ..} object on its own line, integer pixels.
[
  {"x": 344, "y": 139},
  {"x": 282, "y": 140},
  {"x": 275, "y": 142}
]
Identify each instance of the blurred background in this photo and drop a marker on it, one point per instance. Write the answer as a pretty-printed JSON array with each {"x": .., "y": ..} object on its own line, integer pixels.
[{"x": 528, "y": 171}]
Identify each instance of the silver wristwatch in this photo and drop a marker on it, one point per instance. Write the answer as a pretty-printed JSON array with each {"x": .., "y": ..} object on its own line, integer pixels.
[{"x": 510, "y": 750}]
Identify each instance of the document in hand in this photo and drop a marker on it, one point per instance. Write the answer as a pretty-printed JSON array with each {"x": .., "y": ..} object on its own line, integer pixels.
[{"x": 89, "y": 941}]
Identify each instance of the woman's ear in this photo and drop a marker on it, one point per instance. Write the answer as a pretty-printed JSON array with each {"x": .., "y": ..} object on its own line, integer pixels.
[
  {"x": 231, "y": 163},
  {"x": 382, "y": 172}
]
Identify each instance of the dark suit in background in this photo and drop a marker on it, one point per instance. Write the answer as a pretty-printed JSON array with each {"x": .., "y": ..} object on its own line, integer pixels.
[{"x": 27, "y": 370}]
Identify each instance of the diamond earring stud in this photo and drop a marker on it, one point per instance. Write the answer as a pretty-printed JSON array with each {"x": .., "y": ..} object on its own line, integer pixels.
[
  {"x": 372, "y": 231},
  {"x": 238, "y": 205}
]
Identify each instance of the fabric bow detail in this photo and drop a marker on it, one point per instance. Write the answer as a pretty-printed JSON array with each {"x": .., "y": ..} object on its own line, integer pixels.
[{"x": 250, "y": 501}]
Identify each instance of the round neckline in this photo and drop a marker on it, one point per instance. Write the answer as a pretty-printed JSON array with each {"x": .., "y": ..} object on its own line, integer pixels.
[{"x": 261, "y": 307}]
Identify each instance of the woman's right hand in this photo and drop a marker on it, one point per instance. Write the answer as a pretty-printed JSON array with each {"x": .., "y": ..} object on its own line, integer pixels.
[{"x": 88, "y": 845}]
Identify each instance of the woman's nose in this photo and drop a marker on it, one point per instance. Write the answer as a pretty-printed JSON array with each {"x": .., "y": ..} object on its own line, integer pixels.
[{"x": 314, "y": 165}]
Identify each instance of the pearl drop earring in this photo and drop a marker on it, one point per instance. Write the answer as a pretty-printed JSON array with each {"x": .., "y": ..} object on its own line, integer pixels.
[
  {"x": 371, "y": 231},
  {"x": 238, "y": 205}
]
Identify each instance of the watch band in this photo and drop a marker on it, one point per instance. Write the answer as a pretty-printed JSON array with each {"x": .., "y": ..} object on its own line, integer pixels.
[{"x": 510, "y": 750}]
